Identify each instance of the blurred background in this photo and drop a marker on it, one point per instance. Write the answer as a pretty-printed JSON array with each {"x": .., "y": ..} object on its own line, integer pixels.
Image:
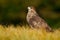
[{"x": 15, "y": 11}]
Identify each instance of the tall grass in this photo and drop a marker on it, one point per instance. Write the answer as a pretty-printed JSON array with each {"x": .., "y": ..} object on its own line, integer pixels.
[{"x": 26, "y": 33}]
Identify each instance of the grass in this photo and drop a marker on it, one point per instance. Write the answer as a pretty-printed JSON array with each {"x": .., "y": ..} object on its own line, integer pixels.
[{"x": 26, "y": 33}]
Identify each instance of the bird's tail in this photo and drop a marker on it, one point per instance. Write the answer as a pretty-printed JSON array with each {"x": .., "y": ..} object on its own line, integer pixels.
[{"x": 48, "y": 29}]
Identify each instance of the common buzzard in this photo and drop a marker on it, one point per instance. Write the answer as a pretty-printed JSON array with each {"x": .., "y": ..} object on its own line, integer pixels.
[{"x": 35, "y": 21}]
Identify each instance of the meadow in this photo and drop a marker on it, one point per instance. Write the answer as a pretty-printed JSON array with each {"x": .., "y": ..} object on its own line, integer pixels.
[{"x": 26, "y": 33}]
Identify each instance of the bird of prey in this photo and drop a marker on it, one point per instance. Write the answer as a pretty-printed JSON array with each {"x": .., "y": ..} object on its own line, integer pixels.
[{"x": 35, "y": 21}]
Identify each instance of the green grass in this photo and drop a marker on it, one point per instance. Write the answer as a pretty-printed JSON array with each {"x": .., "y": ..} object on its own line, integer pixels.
[{"x": 26, "y": 33}]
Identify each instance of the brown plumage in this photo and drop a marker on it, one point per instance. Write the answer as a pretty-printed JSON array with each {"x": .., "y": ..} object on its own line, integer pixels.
[{"x": 35, "y": 21}]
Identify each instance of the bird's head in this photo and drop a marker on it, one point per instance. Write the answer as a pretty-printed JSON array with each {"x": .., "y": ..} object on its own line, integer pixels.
[{"x": 31, "y": 8}]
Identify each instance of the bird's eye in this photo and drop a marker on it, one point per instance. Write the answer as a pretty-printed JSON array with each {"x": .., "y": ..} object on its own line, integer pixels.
[{"x": 31, "y": 7}]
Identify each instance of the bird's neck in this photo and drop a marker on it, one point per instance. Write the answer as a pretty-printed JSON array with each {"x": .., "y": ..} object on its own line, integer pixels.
[{"x": 31, "y": 13}]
